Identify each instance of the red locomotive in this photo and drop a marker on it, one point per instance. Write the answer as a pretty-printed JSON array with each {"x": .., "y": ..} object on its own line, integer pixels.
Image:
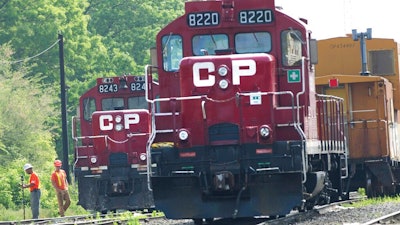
[
  {"x": 110, "y": 145},
  {"x": 239, "y": 130}
]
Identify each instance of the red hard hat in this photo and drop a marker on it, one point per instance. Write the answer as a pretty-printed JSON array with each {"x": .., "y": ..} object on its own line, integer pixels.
[{"x": 57, "y": 163}]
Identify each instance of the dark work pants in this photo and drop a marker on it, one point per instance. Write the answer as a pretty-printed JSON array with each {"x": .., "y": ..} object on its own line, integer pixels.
[{"x": 35, "y": 203}]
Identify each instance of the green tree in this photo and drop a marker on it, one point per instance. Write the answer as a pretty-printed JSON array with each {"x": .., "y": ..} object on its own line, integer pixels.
[
  {"x": 25, "y": 134},
  {"x": 101, "y": 38},
  {"x": 130, "y": 27}
]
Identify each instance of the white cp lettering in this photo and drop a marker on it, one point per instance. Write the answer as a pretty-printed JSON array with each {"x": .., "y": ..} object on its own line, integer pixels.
[
  {"x": 246, "y": 67},
  {"x": 210, "y": 81},
  {"x": 243, "y": 67},
  {"x": 106, "y": 121}
]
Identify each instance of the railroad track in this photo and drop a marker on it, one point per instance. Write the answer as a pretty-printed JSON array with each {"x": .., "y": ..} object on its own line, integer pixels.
[
  {"x": 292, "y": 218},
  {"x": 109, "y": 219},
  {"x": 296, "y": 216},
  {"x": 144, "y": 218},
  {"x": 391, "y": 218}
]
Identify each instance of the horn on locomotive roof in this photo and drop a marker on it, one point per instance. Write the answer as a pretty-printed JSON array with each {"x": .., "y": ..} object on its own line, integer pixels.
[{"x": 363, "y": 47}]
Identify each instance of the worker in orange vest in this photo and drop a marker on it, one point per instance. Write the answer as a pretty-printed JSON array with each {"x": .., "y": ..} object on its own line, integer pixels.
[
  {"x": 34, "y": 188},
  {"x": 60, "y": 183}
]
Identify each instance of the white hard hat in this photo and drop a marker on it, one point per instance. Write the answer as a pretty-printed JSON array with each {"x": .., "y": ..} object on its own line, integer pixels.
[{"x": 27, "y": 166}]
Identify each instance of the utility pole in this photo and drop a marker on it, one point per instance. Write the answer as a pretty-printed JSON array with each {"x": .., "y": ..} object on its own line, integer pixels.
[
  {"x": 65, "y": 160},
  {"x": 363, "y": 48}
]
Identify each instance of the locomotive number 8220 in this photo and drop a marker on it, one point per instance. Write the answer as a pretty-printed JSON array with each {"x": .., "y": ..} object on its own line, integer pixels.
[{"x": 255, "y": 16}]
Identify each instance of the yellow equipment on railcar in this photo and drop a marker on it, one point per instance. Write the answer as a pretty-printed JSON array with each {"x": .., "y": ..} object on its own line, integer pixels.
[{"x": 371, "y": 103}]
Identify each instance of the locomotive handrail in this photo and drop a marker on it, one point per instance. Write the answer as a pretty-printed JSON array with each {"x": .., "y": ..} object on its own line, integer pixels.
[
  {"x": 338, "y": 101},
  {"x": 109, "y": 138},
  {"x": 368, "y": 121},
  {"x": 303, "y": 88},
  {"x": 148, "y": 146},
  {"x": 77, "y": 157},
  {"x": 93, "y": 137},
  {"x": 106, "y": 137},
  {"x": 296, "y": 124},
  {"x": 295, "y": 120}
]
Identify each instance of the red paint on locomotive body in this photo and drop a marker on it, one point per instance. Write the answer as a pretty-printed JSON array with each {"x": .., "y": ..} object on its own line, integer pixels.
[
  {"x": 123, "y": 131},
  {"x": 245, "y": 73}
]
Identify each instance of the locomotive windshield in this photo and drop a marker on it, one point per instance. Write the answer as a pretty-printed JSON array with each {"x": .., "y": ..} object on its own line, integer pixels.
[
  {"x": 112, "y": 104},
  {"x": 137, "y": 103},
  {"x": 207, "y": 44},
  {"x": 253, "y": 42}
]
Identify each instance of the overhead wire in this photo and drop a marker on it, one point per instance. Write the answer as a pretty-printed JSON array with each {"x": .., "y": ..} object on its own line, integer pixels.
[{"x": 32, "y": 57}]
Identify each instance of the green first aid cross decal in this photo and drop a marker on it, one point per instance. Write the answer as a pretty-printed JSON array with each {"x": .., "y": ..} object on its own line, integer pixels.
[{"x": 293, "y": 76}]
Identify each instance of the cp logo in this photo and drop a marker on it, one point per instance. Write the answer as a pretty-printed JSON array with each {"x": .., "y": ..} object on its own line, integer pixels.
[
  {"x": 243, "y": 67},
  {"x": 107, "y": 122}
]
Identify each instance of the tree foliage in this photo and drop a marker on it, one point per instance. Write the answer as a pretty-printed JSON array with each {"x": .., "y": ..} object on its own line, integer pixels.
[
  {"x": 101, "y": 38},
  {"x": 129, "y": 28},
  {"x": 25, "y": 134}
]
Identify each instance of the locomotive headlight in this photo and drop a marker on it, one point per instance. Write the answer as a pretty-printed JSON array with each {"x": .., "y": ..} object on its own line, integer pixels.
[
  {"x": 223, "y": 84},
  {"x": 265, "y": 131},
  {"x": 143, "y": 156},
  {"x": 183, "y": 135},
  {"x": 223, "y": 71},
  {"x": 119, "y": 127},
  {"x": 118, "y": 119},
  {"x": 93, "y": 159}
]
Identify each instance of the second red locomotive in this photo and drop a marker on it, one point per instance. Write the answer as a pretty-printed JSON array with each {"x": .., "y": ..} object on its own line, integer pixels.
[{"x": 110, "y": 137}]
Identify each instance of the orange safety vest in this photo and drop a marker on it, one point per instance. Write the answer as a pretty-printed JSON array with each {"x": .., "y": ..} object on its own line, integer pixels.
[{"x": 59, "y": 178}]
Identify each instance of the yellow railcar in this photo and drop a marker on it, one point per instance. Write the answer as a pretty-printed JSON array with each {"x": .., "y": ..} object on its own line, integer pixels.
[{"x": 371, "y": 103}]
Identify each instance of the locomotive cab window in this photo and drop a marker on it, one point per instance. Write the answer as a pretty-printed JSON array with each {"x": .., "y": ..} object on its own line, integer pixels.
[
  {"x": 138, "y": 102},
  {"x": 208, "y": 44},
  {"x": 253, "y": 42},
  {"x": 172, "y": 52},
  {"x": 112, "y": 104},
  {"x": 291, "y": 48},
  {"x": 89, "y": 106}
]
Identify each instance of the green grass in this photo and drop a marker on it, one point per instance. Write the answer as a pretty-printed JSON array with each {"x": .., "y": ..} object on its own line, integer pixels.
[
  {"x": 17, "y": 215},
  {"x": 372, "y": 201}
]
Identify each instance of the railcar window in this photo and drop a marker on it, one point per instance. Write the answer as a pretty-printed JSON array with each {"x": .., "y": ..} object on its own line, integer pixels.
[
  {"x": 137, "y": 103},
  {"x": 381, "y": 62},
  {"x": 291, "y": 47},
  {"x": 253, "y": 42},
  {"x": 172, "y": 52},
  {"x": 207, "y": 44},
  {"x": 89, "y": 106},
  {"x": 112, "y": 104}
]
